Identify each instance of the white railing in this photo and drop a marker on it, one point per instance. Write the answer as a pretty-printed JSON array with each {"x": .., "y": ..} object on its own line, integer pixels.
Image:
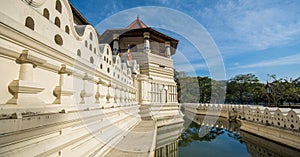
[{"x": 280, "y": 117}]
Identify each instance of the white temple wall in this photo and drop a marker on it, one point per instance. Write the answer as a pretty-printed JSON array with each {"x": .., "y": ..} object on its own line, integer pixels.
[{"x": 9, "y": 68}]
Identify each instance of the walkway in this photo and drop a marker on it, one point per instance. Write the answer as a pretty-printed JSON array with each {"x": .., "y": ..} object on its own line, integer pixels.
[{"x": 139, "y": 142}]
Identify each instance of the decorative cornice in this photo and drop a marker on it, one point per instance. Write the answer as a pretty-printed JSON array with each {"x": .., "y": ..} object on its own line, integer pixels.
[{"x": 25, "y": 57}]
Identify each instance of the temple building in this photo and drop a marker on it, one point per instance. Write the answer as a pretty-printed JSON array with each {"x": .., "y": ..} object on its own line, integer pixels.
[
  {"x": 67, "y": 90},
  {"x": 152, "y": 51}
]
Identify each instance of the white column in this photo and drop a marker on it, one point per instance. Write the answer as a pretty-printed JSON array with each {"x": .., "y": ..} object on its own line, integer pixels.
[
  {"x": 25, "y": 89},
  {"x": 26, "y": 72},
  {"x": 168, "y": 49},
  {"x": 98, "y": 95},
  {"x": 84, "y": 92},
  {"x": 64, "y": 91},
  {"x": 108, "y": 95},
  {"x": 115, "y": 44},
  {"x": 147, "y": 42}
]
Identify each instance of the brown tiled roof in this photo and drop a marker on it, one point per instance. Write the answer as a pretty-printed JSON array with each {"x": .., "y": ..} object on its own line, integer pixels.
[{"x": 136, "y": 24}]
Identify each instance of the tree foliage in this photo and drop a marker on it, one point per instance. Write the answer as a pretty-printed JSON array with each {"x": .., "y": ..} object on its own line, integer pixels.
[
  {"x": 284, "y": 91},
  {"x": 241, "y": 89}
]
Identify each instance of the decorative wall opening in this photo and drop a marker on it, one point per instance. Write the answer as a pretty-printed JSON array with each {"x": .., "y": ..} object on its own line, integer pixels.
[
  {"x": 29, "y": 23},
  {"x": 91, "y": 36},
  {"x": 46, "y": 13},
  {"x": 91, "y": 47},
  {"x": 58, "y": 6},
  {"x": 57, "y": 22},
  {"x": 78, "y": 53},
  {"x": 67, "y": 29},
  {"x": 92, "y": 60},
  {"x": 58, "y": 40}
]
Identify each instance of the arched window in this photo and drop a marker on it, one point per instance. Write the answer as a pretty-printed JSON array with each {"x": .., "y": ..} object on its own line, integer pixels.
[
  {"x": 85, "y": 44},
  {"x": 91, "y": 47},
  {"x": 91, "y": 36},
  {"x": 57, "y": 22},
  {"x": 104, "y": 58},
  {"x": 78, "y": 53},
  {"x": 107, "y": 51},
  {"x": 94, "y": 50},
  {"x": 58, "y": 6},
  {"x": 108, "y": 70},
  {"x": 29, "y": 23},
  {"x": 67, "y": 30},
  {"x": 46, "y": 13},
  {"x": 58, "y": 40},
  {"x": 92, "y": 60},
  {"x": 101, "y": 66}
]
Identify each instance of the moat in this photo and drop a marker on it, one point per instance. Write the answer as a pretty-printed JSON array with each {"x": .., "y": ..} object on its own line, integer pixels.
[{"x": 225, "y": 140}]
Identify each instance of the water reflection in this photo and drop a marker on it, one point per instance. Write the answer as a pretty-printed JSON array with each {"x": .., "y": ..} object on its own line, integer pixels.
[
  {"x": 167, "y": 140},
  {"x": 260, "y": 147},
  {"x": 223, "y": 138},
  {"x": 210, "y": 136}
]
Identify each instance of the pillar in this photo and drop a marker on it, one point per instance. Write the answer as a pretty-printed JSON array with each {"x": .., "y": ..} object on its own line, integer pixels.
[
  {"x": 108, "y": 95},
  {"x": 25, "y": 89},
  {"x": 84, "y": 92},
  {"x": 147, "y": 42},
  {"x": 168, "y": 49},
  {"x": 98, "y": 94},
  {"x": 143, "y": 89},
  {"x": 115, "y": 44},
  {"x": 64, "y": 92}
]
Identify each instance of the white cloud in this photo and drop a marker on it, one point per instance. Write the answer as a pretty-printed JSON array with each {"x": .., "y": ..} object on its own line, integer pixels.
[
  {"x": 288, "y": 60},
  {"x": 252, "y": 25}
]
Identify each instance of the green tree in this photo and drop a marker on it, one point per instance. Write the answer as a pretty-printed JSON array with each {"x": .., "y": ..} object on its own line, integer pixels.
[
  {"x": 240, "y": 88},
  {"x": 205, "y": 85},
  {"x": 284, "y": 91}
]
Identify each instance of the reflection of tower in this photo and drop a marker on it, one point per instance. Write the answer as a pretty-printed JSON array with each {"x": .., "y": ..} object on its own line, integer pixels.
[{"x": 167, "y": 140}]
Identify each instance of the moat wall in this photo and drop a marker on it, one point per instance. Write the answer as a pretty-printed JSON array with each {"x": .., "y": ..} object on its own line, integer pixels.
[{"x": 277, "y": 124}]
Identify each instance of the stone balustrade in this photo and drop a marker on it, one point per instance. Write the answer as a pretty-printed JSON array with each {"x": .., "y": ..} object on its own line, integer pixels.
[{"x": 272, "y": 116}]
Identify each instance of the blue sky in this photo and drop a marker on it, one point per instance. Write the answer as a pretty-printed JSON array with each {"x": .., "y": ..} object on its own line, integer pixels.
[{"x": 252, "y": 36}]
